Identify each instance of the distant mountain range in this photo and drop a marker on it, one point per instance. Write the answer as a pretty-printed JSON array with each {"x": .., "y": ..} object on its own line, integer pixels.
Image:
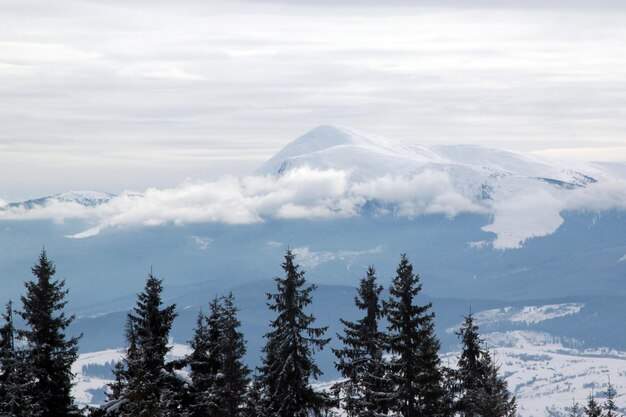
[{"x": 88, "y": 198}]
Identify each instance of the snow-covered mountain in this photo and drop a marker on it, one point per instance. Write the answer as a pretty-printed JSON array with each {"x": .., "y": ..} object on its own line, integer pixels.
[
  {"x": 338, "y": 172},
  {"x": 87, "y": 198},
  {"x": 477, "y": 172}
]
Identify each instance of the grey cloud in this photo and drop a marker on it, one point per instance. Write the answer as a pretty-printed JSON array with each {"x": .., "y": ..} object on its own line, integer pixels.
[{"x": 130, "y": 83}]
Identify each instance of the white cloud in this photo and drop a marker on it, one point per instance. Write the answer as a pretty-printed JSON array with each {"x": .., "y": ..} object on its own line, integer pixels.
[
  {"x": 301, "y": 193},
  {"x": 306, "y": 193},
  {"x": 426, "y": 192}
]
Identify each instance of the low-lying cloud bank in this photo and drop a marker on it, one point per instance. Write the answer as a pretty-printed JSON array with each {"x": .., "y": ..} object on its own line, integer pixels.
[{"x": 307, "y": 193}]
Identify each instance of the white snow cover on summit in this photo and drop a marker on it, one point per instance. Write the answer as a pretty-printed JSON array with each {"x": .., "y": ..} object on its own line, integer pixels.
[{"x": 333, "y": 172}]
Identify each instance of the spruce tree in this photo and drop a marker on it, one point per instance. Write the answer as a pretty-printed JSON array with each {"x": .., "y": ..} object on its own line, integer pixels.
[
  {"x": 150, "y": 324},
  {"x": 574, "y": 410},
  {"x": 481, "y": 391},
  {"x": 50, "y": 353},
  {"x": 609, "y": 404},
  {"x": 255, "y": 400},
  {"x": 16, "y": 376},
  {"x": 219, "y": 376},
  {"x": 415, "y": 364},
  {"x": 366, "y": 390},
  {"x": 232, "y": 378},
  {"x": 203, "y": 367},
  {"x": 151, "y": 389},
  {"x": 288, "y": 363},
  {"x": 592, "y": 409},
  {"x": 470, "y": 372},
  {"x": 494, "y": 399}
]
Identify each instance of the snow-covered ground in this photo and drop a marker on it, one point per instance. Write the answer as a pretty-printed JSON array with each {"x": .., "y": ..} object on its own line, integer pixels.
[
  {"x": 544, "y": 375},
  {"x": 89, "y": 387},
  {"x": 524, "y": 315}
]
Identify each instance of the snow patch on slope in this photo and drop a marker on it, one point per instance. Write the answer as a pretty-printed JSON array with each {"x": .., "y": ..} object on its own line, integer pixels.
[
  {"x": 525, "y": 315},
  {"x": 311, "y": 259}
]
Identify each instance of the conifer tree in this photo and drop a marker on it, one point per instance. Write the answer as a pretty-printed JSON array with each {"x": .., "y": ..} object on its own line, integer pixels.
[
  {"x": 609, "y": 404},
  {"x": 288, "y": 363},
  {"x": 203, "y": 367},
  {"x": 495, "y": 399},
  {"x": 151, "y": 389},
  {"x": 574, "y": 410},
  {"x": 117, "y": 387},
  {"x": 415, "y": 364},
  {"x": 16, "y": 377},
  {"x": 149, "y": 382},
  {"x": 218, "y": 373},
  {"x": 233, "y": 375},
  {"x": 366, "y": 390},
  {"x": 592, "y": 409},
  {"x": 255, "y": 400},
  {"x": 50, "y": 353},
  {"x": 482, "y": 392},
  {"x": 470, "y": 372}
]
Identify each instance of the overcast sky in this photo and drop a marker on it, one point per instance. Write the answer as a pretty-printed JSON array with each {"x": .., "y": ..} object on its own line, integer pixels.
[{"x": 114, "y": 95}]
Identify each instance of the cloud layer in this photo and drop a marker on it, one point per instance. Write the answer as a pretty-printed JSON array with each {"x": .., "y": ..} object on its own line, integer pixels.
[
  {"x": 302, "y": 193},
  {"x": 306, "y": 193}
]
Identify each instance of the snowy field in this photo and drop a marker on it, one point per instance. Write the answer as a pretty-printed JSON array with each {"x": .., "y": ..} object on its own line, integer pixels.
[{"x": 543, "y": 374}]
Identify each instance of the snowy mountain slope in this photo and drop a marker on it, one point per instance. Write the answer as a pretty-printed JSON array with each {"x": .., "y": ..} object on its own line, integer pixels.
[
  {"x": 88, "y": 198},
  {"x": 524, "y": 192},
  {"x": 367, "y": 156}
]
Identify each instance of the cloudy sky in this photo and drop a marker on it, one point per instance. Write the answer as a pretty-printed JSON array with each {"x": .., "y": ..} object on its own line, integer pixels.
[{"x": 130, "y": 94}]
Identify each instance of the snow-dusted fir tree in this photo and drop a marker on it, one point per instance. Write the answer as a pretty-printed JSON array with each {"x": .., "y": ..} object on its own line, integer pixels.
[
  {"x": 288, "y": 363},
  {"x": 151, "y": 390},
  {"x": 203, "y": 365},
  {"x": 481, "y": 391},
  {"x": 366, "y": 389},
  {"x": 16, "y": 377},
  {"x": 495, "y": 399},
  {"x": 575, "y": 410},
  {"x": 233, "y": 376},
  {"x": 50, "y": 353},
  {"x": 218, "y": 373},
  {"x": 254, "y": 401},
  {"x": 610, "y": 407},
  {"x": 415, "y": 363},
  {"x": 593, "y": 408}
]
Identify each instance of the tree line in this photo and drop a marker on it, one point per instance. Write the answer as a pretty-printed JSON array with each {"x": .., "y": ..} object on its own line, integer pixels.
[{"x": 388, "y": 359}]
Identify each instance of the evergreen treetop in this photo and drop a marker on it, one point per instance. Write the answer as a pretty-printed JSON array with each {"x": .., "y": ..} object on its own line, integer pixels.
[
  {"x": 415, "y": 365},
  {"x": 50, "y": 353},
  {"x": 288, "y": 363},
  {"x": 367, "y": 388}
]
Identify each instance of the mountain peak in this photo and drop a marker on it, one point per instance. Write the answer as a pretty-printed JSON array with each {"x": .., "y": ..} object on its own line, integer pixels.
[{"x": 325, "y": 139}]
